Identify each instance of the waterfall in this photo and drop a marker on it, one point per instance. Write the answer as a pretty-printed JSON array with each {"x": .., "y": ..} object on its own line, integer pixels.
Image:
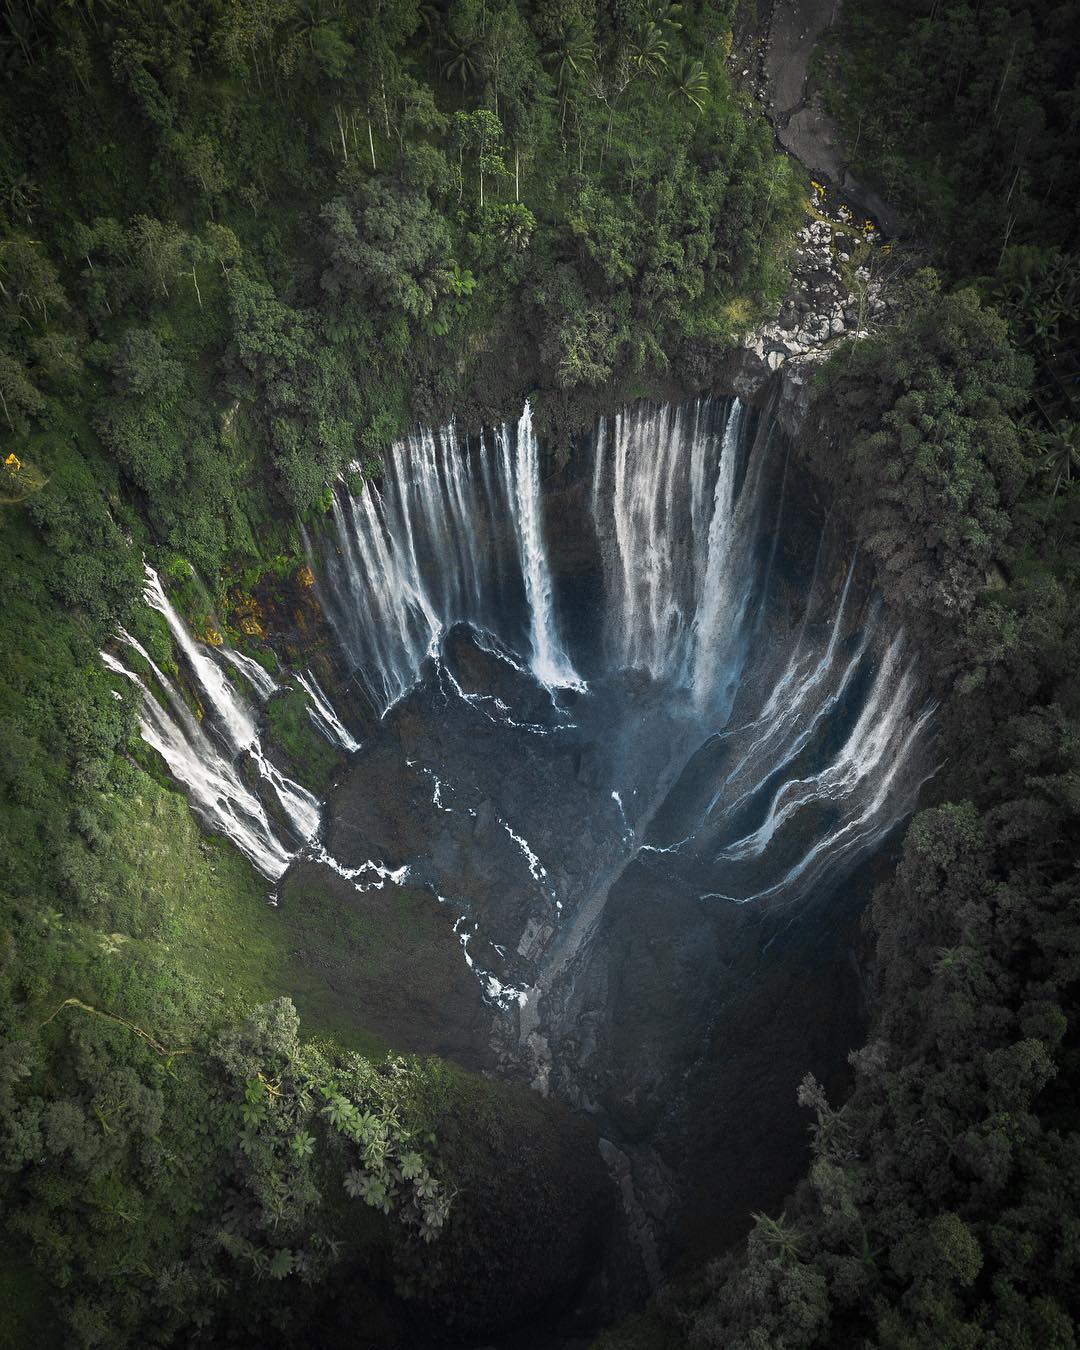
[
  {"x": 203, "y": 757},
  {"x": 722, "y": 596},
  {"x": 750, "y": 724},
  {"x": 408, "y": 562},
  {"x": 215, "y": 790},
  {"x": 870, "y": 740},
  {"x": 452, "y": 533},
  {"x": 323, "y": 716},
  {"x": 688, "y": 507},
  {"x": 549, "y": 661},
  {"x": 235, "y": 716},
  {"x": 674, "y": 531},
  {"x": 260, "y": 680}
]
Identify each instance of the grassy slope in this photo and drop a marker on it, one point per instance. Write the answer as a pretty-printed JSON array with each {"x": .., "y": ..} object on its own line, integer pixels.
[{"x": 189, "y": 938}]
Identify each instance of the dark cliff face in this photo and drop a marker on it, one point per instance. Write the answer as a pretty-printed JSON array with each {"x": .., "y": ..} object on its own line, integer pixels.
[
  {"x": 582, "y": 918},
  {"x": 612, "y": 733}
]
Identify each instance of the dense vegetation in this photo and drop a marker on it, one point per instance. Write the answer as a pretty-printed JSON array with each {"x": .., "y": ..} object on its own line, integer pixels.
[
  {"x": 966, "y": 116},
  {"x": 967, "y": 119},
  {"x": 940, "y": 1205},
  {"x": 332, "y": 214},
  {"x": 241, "y": 245}
]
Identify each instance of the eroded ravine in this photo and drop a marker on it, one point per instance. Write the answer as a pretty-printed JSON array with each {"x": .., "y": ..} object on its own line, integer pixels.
[{"x": 631, "y": 736}]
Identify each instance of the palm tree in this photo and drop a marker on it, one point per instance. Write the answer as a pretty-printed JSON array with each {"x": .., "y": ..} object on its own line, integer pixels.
[
  {"x": 1062, "y": 453},
  {"x": 574, "y": 57},
  {"x": 458, "y": 53},
  {"x": 516, "y": 227},
  {"x": 309, "y": 18},
  {"x": 665, "y": 15},
  {"x": 691, "y": 83},
  {"x": 23, "y": 195},
  {"x": 781, "y": 1238},
  {"x": 648, "y": 51}
]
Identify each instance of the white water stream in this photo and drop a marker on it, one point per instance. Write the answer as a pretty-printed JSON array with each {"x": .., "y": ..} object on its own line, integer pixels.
[{"x": 681, "y": 502}]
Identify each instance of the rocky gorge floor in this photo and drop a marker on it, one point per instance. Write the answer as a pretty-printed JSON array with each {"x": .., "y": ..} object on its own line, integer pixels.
[
  {"x": 843, "y": 261},
  {"x": 773, "y": 58}
]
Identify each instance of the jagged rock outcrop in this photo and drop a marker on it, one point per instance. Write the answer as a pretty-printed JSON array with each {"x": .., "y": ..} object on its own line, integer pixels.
[{"x": 833, "y": 296}]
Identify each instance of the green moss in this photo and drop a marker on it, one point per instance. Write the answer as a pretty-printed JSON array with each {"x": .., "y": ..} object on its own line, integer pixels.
[
  {"x": 182, "y": 936},
  {"x": 314, "y": 758},
  {"x": 371, "y": 968}
]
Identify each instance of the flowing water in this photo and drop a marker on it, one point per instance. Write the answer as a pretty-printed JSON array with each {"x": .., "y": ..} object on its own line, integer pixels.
[
  {"x": 453, "y": 533},
  {"x": 658, "y": 686},
  {"x": 206, "y": 756}
]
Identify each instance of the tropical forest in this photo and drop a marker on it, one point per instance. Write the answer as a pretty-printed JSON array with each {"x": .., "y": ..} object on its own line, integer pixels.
[{"x": 540, "y": 674}]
